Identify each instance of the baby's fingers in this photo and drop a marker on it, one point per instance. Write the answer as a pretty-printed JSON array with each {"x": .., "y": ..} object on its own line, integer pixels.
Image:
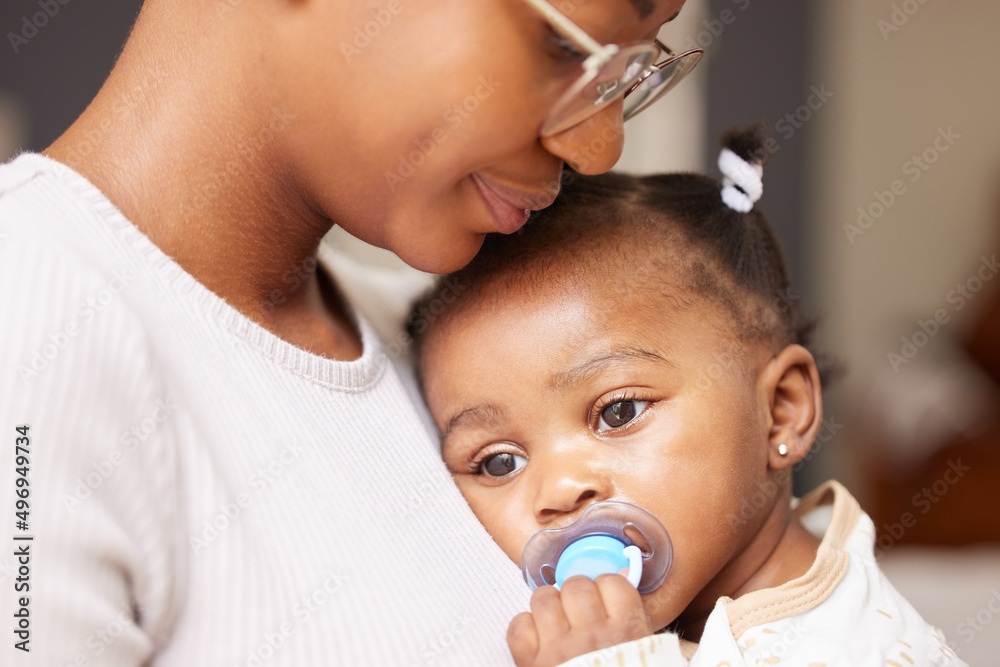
[
  {"x": 547, "y": 610},
  {"x": 624, "y": 604},
  {"x": 522, "y": 638},
  {"x": 581, "y": 602}
]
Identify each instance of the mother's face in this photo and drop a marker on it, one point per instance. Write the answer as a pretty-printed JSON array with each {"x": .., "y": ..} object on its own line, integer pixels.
[{"x": 417, "y": 121}]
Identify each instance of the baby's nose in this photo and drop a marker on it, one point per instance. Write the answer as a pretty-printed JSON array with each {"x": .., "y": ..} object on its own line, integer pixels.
[{"x": 568, "y": 487}]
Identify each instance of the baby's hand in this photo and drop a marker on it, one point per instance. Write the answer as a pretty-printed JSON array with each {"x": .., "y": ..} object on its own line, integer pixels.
[{"x": 583, "y": 616}]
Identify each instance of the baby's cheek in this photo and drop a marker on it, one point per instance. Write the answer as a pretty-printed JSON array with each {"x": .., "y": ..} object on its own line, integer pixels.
[
  {"x": 514, "y": 547},
  {"x": 499, "y": 523}
]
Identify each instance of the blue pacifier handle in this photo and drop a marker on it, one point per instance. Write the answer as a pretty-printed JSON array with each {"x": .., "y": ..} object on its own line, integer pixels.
[{"x": 595, "y": 555}]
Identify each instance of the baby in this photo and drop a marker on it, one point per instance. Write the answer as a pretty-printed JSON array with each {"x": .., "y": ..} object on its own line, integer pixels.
[{"x": 635, "y": 343}]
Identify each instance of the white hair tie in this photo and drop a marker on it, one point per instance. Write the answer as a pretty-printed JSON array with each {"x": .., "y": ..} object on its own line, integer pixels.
[{"x": 742, "y": 181}]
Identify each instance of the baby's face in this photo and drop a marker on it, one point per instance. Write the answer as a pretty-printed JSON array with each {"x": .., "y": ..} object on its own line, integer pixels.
[{"x": 557, "y": 399}]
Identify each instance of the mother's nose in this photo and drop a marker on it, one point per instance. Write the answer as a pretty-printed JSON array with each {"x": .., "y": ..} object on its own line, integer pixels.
[{"x": 593, "y": 146}]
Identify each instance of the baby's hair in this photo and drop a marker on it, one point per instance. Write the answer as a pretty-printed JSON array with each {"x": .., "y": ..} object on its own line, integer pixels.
[{"x": 661, "y": 225}]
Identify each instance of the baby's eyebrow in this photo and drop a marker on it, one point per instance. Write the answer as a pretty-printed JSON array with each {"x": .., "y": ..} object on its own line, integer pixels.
[
  {"x": 485, "y": 413},
  {"x": 591, "y": 367}
]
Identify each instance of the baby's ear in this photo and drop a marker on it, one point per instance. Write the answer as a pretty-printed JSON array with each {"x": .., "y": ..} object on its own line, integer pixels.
[{"x": 790, "y": 382}]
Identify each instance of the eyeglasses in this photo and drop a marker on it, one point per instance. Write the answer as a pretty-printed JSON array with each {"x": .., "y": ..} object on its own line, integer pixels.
[{"x": 611, "y": 72}]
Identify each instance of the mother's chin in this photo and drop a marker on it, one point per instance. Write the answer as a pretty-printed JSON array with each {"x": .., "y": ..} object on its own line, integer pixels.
[{"x": 436, "y": 250}]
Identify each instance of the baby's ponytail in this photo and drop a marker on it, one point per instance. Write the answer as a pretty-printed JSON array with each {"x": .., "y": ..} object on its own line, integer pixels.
[{"x": 741, "y": 162}]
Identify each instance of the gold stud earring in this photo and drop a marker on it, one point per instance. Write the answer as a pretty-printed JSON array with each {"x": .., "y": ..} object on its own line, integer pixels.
[{"x": 783, "y": 450}]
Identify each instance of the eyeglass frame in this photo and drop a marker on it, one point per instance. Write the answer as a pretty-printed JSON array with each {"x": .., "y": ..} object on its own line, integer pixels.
[{"x": 600, "y": 55}]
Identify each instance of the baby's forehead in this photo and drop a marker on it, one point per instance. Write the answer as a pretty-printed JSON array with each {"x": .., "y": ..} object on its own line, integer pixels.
[
  {"x": 642, "y": 263},
  {"x": 656, "y": 301},
  {"x": 616, "y": 275}
]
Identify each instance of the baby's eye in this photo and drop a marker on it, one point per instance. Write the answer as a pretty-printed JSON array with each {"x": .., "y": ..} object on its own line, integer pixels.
[
  {"x": 620, "y": 413},
  {"x": 502, "y": 464}
]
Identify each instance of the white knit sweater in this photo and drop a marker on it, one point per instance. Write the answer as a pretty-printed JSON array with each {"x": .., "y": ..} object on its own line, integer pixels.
[{"x": 204, "y": 493}]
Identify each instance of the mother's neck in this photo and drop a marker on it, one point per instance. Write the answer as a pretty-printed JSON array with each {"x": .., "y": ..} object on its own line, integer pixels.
[{"x": 186, "y": 140}]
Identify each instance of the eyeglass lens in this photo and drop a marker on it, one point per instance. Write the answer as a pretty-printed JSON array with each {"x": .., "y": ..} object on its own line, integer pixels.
[
  {"x": 661, "y": 80},
  {"x": 619, "y": 74}
]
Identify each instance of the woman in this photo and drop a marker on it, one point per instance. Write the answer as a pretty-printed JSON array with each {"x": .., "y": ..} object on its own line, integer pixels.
[{"x": 223, "y": 465}]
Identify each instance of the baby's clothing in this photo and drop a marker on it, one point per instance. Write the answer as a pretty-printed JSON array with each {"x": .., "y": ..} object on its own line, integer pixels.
[{"x": 843, "y": 611}]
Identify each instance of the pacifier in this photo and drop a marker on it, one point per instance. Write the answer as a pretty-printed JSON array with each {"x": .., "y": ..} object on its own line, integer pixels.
[{"x": 609, "y": 536}]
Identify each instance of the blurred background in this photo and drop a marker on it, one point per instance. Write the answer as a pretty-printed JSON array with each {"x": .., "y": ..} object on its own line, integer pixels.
[{"x": 883, "y": 190}]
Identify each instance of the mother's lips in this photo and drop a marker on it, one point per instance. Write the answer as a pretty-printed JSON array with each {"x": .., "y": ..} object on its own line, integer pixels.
[{"x": 510, "y": 206}]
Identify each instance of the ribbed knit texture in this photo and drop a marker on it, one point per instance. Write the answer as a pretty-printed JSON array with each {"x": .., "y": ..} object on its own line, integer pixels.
[{"x": 204, "y": 493}]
